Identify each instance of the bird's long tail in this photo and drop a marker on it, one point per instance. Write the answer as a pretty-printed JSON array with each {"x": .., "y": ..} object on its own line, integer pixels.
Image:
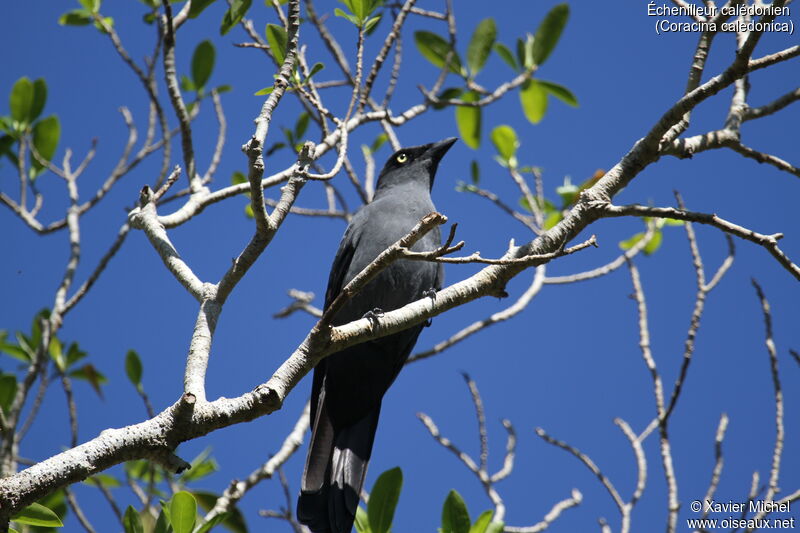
[{"x": 335, "y": 470}]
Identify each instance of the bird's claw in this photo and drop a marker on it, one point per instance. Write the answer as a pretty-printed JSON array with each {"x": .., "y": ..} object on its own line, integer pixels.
[
  {"x": 430, "y": 293},
  {"x": 373, "y": 315}
]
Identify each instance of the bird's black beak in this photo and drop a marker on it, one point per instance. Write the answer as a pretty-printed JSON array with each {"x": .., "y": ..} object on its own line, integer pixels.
[{"x": 437, "y": 150}]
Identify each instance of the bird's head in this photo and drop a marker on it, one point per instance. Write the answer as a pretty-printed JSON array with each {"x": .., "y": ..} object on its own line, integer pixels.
[{"x": 415, "y": 164}]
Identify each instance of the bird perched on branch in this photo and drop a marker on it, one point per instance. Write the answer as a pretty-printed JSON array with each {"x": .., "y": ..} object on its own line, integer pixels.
[{"x": 349, "y": 385}]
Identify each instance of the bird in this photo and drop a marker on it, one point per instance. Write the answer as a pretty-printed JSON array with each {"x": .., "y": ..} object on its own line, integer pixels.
[{"x": 349, "y": 385}]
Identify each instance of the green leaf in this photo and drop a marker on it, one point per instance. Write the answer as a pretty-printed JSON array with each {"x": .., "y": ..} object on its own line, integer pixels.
[
  {"x": 361, "y": 8},
  {"x": 496, "y": 527},
  {"x": 505, "y": 141},
  {"x": 521, "y": 53},
  {"x": 352, "y": 18},
  {"x": 93, "y": 6},
  {"x": 6, "y": 142},
  {"x": 234, "y": 522},
  {"x": 198, "y": 6},
  {"x": 132, "y": 522},
  {"x": 237, "y": 10},
  {"x": 560, "y": 92},
  {"x": 379, "y": 141},
  {"x": 362, "y": 522},
  {"x": 301, "y": 125},
  {"x": 143, "y": 470},
  {"x": 506, "y": 55},
  {"x": 162, "y": 523},
  {"x": 534, "y": 101},
  {"x": 529, "y": 40},
  {"x": 133, "y": 368},
  {"x": 316, "y": 68},
  {"x": 202, "y": 63},
  {"x": 568, "y": 192},
  {"x": 465, "y": 187},
  {"x": 468, "y": 120},
  {"x": 654, "y": 244},
  {"x": 74, "y": 354},
  {"x": 552, "y": 219},
  {"x": 76, "y": 17},
  {"x": 183, "y": 512},
  {"x": 25, "y": 344},
  {"x": 452, "y": 93},
  {"x": 265, "y": 90},
  {"x": 37, "y": 515},
  {"x": 56, "y": 352},
  {"x": 238, "y": 177},
  {"x": 8, "y": 389},
  {"x": 89, "y": 373},
  {"x": 548, "y": 33},
  {"x": 108, "y": 21},
  {"x": 187, "y": 85},
  {"x": 372, "y": 24},
  {"x": 481, "y": 523},
  {"x": 202, "y": 465},
  {"x": 104, "y": 480},
  {"x": 480, "y": 46},
  {"x": 383, "y": 500},
  {"x": 167, "y": 515},
  {"x": 13, "y": 350},
  {"x": 39, "y": 99},
  {"x": 218, "y": 519},
  {"x": 21, "y": 100},
  {"x": 55, "y": 501},
  {"x": 475, "y": 172},
  {"x": 36, "y": 327},
  {"x": 455, "y": 517},
  {"x": 435, "y": 49},
  {"x": 46, "y": 133},
  {"x": 673, "y": 222},
  {"x": 627, "y": 244},
  {"x": 277, "y": 39}
]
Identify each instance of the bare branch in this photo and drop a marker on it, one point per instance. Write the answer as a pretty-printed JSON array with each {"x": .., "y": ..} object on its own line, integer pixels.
[
  {"x": 776, "y": 105},
  {"x": 551, "y": 516},
  {"x": 718, "y": 462},
  {"x": 481, "y": 416},
  {"x": 171, "y": 79},
  {"x": 500, "y": 316},
  {"x": 237, "y": 489},
  {"x": 223, "y": 128},
  {"x": 769, "y": 242},
  {"x": 587, "y": 461},
  {"x": 508, "y": 462},
  {"x": 609, "y": 267},
  {"x": 101, "y": 266},
  {"x": 302, "y": 302},
  {"x": 775, "y": 470},
  {"x": 146, "y": 219},
  {"x": 76, "y": 508},
  {"x": 658, "y": 392}
]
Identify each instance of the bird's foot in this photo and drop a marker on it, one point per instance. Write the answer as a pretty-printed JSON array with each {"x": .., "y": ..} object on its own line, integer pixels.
[
  {"x": 373, "y": 315},
  {"x": 430, "y": 293}
]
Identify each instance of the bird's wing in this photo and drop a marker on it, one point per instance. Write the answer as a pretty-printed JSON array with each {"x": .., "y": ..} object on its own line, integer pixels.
[{"x": 341, "y": 264}]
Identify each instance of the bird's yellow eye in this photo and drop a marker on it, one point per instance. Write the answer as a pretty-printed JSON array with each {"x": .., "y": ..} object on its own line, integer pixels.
[{"x": 402, "y": 158}]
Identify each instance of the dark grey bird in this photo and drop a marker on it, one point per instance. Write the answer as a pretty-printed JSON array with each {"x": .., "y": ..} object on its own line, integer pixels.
[{"x": 349, "y": 385}]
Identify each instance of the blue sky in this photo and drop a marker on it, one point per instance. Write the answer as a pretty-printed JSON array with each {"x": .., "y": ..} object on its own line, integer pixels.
[{"x": 569, "y": 363}]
